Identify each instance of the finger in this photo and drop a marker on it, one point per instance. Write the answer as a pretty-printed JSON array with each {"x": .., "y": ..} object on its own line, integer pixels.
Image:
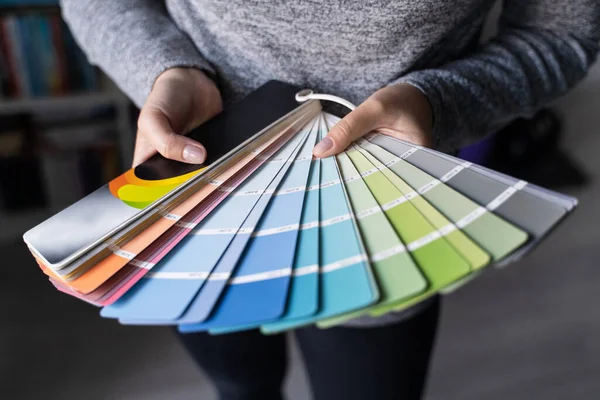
[
  {"x": 143, "y": 150},
  {"x": 156, "y": 130},
  {"x": 353, "y": 126}
]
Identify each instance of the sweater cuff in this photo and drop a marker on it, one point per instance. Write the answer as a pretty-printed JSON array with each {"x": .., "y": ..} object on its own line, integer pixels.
[{"x": 444, "y": 125}]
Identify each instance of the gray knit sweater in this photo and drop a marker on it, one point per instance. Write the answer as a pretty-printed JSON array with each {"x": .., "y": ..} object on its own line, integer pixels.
[{"x": 352, "y": 48}]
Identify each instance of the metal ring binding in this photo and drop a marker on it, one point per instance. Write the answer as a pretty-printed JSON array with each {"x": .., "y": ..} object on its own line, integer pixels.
[{"x": 307, "y": 94}]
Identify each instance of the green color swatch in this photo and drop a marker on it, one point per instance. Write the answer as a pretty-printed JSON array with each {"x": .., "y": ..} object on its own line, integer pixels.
[
  {"x": 441, "y": 263},
  {"x": 470, "y": 251},
  {"x": 395, "y": 272},
  {"x": 495, "y": 235}
]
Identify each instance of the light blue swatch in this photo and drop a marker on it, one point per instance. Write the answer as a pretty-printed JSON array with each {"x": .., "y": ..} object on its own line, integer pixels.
[
  {"x": 303, "y": 296},
  {"x": 202, "y": 305},
  {"x": 347, "y": 283},
  {"x": 166, "y": 292},
  {"x": 258, "y": 290}
]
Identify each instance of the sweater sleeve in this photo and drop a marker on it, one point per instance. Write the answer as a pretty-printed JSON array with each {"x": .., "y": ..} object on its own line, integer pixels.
[
  {"x": 542, "y": 49},
  {"x": 133, "y": 41}
]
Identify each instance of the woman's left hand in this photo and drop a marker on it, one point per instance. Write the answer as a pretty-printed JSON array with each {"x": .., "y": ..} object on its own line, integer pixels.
[{"x": 400, "y": 110}]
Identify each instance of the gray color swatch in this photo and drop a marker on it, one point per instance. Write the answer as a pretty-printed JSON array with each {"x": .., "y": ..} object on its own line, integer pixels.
[{"x": 533, "y": 209}]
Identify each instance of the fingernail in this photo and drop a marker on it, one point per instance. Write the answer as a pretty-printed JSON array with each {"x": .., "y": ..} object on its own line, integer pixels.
[
  {"x": 323, "y": 146},
  {"x": 194, "y": 154}
]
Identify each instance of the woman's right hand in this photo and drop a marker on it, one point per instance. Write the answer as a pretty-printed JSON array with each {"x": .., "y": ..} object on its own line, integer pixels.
[{"x": 180, "y": 100}]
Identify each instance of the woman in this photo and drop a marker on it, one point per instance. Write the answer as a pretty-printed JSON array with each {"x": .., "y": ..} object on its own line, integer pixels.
[{"x": 418, "y": 73}]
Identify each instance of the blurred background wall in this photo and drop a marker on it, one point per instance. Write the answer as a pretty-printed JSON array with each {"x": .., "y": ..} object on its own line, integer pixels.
[
  {"x": 528, "y": 332},
  {"x": 65, "y": 129}
]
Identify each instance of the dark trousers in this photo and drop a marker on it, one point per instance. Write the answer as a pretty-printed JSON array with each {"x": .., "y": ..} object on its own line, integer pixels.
[{"x": 378, "y": 363}]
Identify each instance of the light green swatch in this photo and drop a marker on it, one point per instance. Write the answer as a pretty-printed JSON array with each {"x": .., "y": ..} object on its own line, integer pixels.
[
  {"x": 470, "y": 251},
  {"x": 395, "y": 272},
  {"x": 441, "y": 263},
  {"x": 495, "y": 235}
]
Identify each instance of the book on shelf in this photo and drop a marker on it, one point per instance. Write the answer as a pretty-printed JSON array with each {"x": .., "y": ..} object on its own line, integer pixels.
[
  {"x": 28, "y": 3},
  {"x": 39, "y": 57}
]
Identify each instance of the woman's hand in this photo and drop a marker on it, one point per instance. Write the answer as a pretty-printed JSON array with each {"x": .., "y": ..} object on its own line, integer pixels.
[
  {"x": 400, "y": 110},
  {"x": 181, "y": 99}
]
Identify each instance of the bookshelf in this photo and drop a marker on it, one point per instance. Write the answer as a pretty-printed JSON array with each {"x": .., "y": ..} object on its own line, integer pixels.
[
  {"x": 12, "y": 106},
  {"x": 74, "y": 127}
]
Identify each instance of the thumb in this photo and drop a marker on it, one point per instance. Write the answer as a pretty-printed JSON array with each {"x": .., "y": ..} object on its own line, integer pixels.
[
  {"x": 353, "y": 126},
  {"x": 156, "y": 129}
]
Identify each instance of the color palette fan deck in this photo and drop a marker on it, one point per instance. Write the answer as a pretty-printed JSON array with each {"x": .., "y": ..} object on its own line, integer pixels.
[{"x": 264, "y": 236}]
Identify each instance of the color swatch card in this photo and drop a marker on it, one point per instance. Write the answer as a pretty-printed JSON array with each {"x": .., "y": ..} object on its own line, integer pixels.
[
  {"x": 264, "y": 236},
  {"x": 516, "y": 201},
  {"x": 441, "y": 263},
  {"x": 92, "y": 222},
  {"x": 398, "y": 276},
  {"x": 258, "y": 288},
  {"x": 304, "y": 291},
  {"x": 475, "y": 256},
  {"x": 167, "y": 235},
  {"x": 203, "y": 304},
  {"x": 347, "y": 282},
  {"x": 183, "y": 273},
  {"x": 145, "y": 247},
  {"x": 303, "y": 295},
  {"x": 496, "y": 236}
]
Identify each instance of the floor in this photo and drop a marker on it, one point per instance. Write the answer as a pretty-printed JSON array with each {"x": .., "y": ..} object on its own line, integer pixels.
[{"x": 529, "y": 331}]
